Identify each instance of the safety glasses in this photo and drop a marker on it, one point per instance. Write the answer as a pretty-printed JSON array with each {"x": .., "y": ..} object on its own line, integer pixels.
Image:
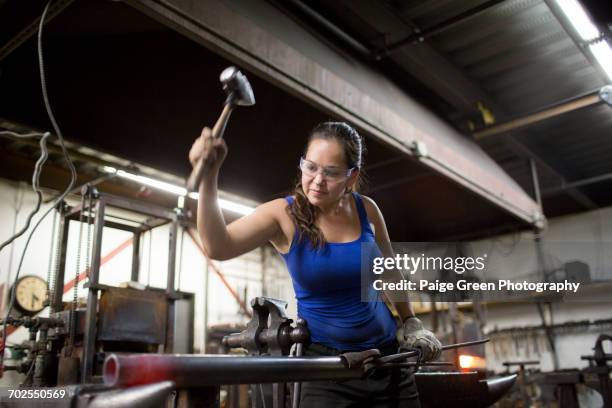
[{"x": 311, "y": 169}]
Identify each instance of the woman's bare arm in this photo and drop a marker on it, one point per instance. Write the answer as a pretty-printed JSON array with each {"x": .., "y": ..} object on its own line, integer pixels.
[
  {"x": 402, "y": 306},
  {"x": 243, "y": 235}
]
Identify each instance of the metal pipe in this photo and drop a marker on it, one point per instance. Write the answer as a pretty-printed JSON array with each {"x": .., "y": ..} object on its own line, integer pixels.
[
  {"x": 170, "y": 286},
  {"x": 144, "y": 396},
  {"x": 135, "y": 275},
  {"x": 536, "y": 182},
  {"x": 420, "y": 36},
  {"x": 334, "y": 29},
  {"x": 60, "y": 262},
  {"x": 195, "y": 371},
  {"x": 571, "y": 105},
  {"x": 578, "y": 183}
]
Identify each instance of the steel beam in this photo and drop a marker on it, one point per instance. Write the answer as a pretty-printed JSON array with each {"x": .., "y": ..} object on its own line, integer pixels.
[
  {"x": 446, "y": 80},
  {"x": 590, "y": 99},
  {"x": 257, "y": 37},
  {"x": 452, "y": 83}
]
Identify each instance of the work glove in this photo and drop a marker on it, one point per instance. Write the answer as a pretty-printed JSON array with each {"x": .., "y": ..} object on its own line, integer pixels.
[{"x": 412, "y": 334}]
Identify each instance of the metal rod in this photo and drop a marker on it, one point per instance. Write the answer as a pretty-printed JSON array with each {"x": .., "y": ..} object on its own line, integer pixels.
[
  {"x": 579, "y": 183},
  {"x": 536, "y": 182},
  {"x": 420, "y": 36},
  {"x": 139, "y": 207},
  {"x": 412, "y": 364},
  {"x": 539, "y": 116},
  {"x": 279, "y": 395},
  {"x": 297, "y": 387},
  {"x": 194, "y": 370},
  {"x": 135, "y": 257},
  {"x": 414, "y": 353},
  {"x": 89, "y": 348},
  {"x": 170, "y": 288},
  {"x": 334, "y": 29},
  {"x": 60, "y": 271},
  {"x": 172, "y": 238},
  {"x": 205, "y": 314},
  {"x": 464, "y": 344}
]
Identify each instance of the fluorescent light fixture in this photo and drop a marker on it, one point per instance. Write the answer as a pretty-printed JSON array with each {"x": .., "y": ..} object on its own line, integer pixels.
[
  {"x": 180, "y": 191},
  {"x": 588, "y": 31},
  {"x": 603, "y": 53},
  {"x": 579, "y": 19}
]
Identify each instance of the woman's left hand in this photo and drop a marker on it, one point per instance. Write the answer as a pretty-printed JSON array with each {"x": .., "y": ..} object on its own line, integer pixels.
[{"x": 412, "y": 334}]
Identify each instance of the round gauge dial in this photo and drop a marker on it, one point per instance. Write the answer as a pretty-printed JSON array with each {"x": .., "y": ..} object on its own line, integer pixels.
[{"x": 30, "y": 293}]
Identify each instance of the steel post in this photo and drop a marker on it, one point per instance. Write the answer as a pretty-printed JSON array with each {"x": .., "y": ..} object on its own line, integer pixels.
[{"x": 91, "y": 315}]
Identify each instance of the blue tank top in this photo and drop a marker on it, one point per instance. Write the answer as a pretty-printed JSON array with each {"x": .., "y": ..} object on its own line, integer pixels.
[{"x": 327, "y": 284}]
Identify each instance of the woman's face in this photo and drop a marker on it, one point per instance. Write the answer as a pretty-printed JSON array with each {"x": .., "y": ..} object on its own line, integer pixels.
[{"x": 321, "y": 189}]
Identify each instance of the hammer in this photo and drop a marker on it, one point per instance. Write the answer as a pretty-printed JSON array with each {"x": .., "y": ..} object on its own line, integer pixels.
[{"x": 239, "y": 93}]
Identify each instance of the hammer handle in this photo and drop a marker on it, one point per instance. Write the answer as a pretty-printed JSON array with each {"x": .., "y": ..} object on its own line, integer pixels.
[{"x": 193, "y": 182}]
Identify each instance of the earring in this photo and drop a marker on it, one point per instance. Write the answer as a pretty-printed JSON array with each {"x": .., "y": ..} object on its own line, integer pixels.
[{"x": 339, "y": 206}]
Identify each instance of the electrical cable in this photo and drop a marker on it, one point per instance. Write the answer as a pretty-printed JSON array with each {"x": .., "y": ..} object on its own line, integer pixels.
[
  {"x": 38, "y": 168},
  {"x": 20, "y": 135},
  {"x": 35, "y": 177}
]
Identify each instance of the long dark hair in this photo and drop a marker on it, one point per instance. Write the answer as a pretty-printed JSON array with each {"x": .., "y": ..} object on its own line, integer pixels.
[{"x": 301, "y": 210}]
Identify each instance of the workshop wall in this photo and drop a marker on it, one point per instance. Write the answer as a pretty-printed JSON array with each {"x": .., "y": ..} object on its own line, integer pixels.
[{"x": 513, "y": 328}]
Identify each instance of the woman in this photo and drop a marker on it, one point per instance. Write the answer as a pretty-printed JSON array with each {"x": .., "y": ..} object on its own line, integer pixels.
[{"x": 319, "y": 230}]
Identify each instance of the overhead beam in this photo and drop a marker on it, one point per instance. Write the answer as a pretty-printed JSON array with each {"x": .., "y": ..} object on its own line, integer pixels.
[
  {"x": 421, "y": 35},
  {"x": 591, "y": 99},
  {"x": 262, "y": 39},
  {"x": 454, "y": 85},
  {"x": 421, "y": 60}
]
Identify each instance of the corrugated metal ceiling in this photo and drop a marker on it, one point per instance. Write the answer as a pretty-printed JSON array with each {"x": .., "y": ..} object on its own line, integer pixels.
[{"x": 520, "y": 58}]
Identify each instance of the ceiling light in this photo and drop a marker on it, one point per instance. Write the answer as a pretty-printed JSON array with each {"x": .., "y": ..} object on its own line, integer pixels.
[
  {"x": 579, "y": 19},
  {"x": 180, "y": 191},
  {"x": 603, "y": 54}
]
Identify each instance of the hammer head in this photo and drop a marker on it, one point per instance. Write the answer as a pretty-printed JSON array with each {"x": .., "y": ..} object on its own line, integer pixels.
[{"x": 237, "y": 87}]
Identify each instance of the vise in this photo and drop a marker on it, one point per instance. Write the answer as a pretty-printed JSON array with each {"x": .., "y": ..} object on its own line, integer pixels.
[{"x": 269, "y": 332}]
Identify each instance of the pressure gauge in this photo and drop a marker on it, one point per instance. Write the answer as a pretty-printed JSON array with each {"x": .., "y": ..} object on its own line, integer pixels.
[{"x": 30, "y": 293}]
